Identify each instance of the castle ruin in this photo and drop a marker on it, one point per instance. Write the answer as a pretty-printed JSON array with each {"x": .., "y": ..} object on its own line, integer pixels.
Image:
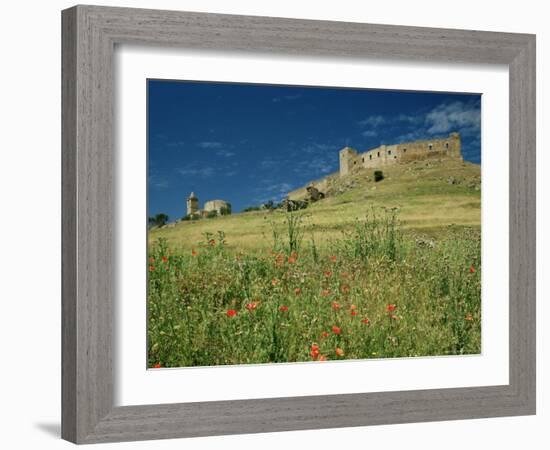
[
  {"x": 221, "y": 207},
  {"x": 351, "y": 160}
]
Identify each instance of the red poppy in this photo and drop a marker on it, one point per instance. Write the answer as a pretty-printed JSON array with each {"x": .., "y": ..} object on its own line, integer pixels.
[
  {"x": 157, "y": 366},
  {"x": 231, "y": 313},
  {"x": 339, "y": 351},
  {"x": 327, "y": 273},
  {"x": 314, "y": 351},
  {"x": 325, "y": 292},
  {"x": 294, "y": 255},
  {"x": 164, "y": 259},
  {"x": 352, "y": 307},
  {"x": 333, "y": 258},
  {"x": 393, "y": 316},
  {"x": 194, "y": 253},
  {"x": 469, "y": 317},
  {"x": 353, "y": 313},
  {"x": 291, "y": 260},
  {"x": 336, "y": 330},
  {"x": 151, "y": 268},
  {"x": 335, "y": 306},
  {"x": 365, "y": 321},
  {"x": 252, "y": 306},
  {"x": 344, "y": 289},
  {"x": 472, "y": 269},
  {"x": 212, "y": 242},
  {"x": 298, "y": 291},
  {"x": 322, "y": 357},
  {"x": 324, "y": 334},
  {"x": 151, "y": 260},
  {"x": 391, "y": 307},
  {"x": 283, "y": 308},
  {"x": 274, "y": 282}
]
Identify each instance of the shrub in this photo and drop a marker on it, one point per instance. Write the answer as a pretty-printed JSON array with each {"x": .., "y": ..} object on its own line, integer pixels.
[
  {"x": 225, "y": 210},
  {"x": 158, "y": 220},
  {"x": 378, "y": 175},
  {"x": 211, "y": 214}
]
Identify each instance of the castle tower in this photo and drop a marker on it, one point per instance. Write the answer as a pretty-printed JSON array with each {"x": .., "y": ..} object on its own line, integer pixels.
[
  {"x": 455, "y": 145},
  {"x": 192, "y": 204},
  {"x": 348, "y": 158}
]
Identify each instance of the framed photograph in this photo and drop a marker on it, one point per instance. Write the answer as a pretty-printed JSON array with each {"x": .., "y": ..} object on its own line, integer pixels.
[{"x": 268, "y": 222}]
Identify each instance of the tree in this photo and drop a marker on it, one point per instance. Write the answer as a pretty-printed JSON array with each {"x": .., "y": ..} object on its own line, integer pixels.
[
  {"x": 378, "y": 175},
  {"x": 158, "y": 220},
  {"x": 225, "y": 210}
]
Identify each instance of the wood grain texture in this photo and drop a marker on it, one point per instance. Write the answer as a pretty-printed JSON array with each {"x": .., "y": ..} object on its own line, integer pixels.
[{"x": 89, "y": 36}]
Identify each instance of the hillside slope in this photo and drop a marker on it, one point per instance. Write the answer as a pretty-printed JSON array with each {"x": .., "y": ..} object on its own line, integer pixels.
[{"x": 430, "y": 195}]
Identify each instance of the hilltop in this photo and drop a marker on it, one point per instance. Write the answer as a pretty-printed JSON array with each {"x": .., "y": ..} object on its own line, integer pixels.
[{"x": 431, "y": 196}]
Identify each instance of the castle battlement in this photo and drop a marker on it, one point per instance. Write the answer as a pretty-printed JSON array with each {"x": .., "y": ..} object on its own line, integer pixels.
[{"x": 351, "y": 160}]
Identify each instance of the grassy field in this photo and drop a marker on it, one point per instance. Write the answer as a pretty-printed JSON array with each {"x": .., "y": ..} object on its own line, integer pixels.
[
  {"x": 427, "y": 204},
  {"x": 386, "y": 269}
]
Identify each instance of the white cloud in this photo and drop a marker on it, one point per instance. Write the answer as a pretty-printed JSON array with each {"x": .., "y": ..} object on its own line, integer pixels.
[
  {"x": 369, "y": 133},
  {"x": 175, "y": 144},
  {"x": 210, "y": 144},
  {"x": 270, "y": 163},
  {"x": 464, "y": 117},
  {"x": 272, "y": 191},
  {"x": 158, "y": 182},
  {"x": 225, "y": 153},
  {"x": 197, "y": 171},
  {"x": 372, "y": 121},
  {"x": 454, "y": 116}
]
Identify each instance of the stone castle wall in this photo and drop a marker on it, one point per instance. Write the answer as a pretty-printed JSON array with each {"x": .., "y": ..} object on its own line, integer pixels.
[
  {"x": 215, "y": 205},
  {"x": 351, "y": 160},
  {"x": 322, "y": 184},
  {"x": 193, "y": 208}
]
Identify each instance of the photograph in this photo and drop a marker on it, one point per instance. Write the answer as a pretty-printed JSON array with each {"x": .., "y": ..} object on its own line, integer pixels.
[{"x": 307, "y": 224}]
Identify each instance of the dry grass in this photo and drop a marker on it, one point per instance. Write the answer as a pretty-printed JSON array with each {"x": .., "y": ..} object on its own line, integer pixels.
[{"x": 427, "y": 204}]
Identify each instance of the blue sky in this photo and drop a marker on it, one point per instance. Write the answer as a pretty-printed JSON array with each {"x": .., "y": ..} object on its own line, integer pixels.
[{"x": 248, "y": 143}]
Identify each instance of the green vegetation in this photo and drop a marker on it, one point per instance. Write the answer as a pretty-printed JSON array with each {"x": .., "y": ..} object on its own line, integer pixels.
[
  {"x": 376, "y": 270},
  {"x": 158, "y": 220},
  {"x": 225, "y": 210},
  {"x": 428, "y": 206}
]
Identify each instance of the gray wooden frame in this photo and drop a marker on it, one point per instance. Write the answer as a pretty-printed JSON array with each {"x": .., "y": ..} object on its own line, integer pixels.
[{"x": 89, "y": 36}]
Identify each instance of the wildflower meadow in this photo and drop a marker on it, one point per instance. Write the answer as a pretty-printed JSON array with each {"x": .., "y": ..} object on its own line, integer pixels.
[{"x": 372, "y": 292}]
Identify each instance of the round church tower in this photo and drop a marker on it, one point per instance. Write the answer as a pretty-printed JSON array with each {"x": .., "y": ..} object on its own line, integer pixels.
[{"x": 192, "y": 204}]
